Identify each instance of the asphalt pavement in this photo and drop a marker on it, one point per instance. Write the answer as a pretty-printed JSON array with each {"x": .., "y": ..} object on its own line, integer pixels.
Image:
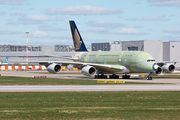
[{"x": 173, "y": 84}]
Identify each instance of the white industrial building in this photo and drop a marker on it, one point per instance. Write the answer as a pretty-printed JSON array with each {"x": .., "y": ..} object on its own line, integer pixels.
[
  {"x": 18, "y": 52},
  {"x": 161, "y": 51}
]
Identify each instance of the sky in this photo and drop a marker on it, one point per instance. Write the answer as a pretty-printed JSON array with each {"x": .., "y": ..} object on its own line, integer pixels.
[{"x": 47, "y": 21}]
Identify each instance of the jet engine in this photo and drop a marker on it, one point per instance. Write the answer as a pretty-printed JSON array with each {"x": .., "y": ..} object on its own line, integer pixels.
[
  {"x": 157, "y": 69},
  {"x": 168, "y": 68},
  {"x": 54, "y": 68},
  {"x": 88, "y": 70}
]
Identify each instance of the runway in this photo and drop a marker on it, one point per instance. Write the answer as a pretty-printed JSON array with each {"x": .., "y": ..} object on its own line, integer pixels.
[
  {"x": 82, "y": 88},
  {"x": 173, "y": 86}
]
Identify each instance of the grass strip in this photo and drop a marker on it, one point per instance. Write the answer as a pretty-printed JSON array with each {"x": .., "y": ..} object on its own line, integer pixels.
[
  {"x": 168, "y": 76},
  {"x": 90, "y": 105}
]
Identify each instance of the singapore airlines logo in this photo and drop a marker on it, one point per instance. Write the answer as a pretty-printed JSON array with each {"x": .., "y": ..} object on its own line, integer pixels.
[{"x": 77, "y": 39}]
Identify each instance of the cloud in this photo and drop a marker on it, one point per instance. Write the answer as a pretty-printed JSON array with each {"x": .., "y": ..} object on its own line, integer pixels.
[
  {"x": 99, "y": 30},
  {"x": 171, "y": 38},
  {"x": 39, "y": 34},
  {"x": 11, "y": 22},
  {"x": 164, "y": 2},
  {"x": 12, "y": 2},
  {"x": 129, "y": 31},
  {"x": 49, "y": 28},
  {"x": 105, "y": 24},
  {"x": 138, "y": 26},
  {"x": 23, "y": 22},
  {"x": 8, "y": 32},
  {"x": 176, "y": 31},
  {"x": 59, "y": 18},
  {"x": 36, "y": 18},
  {"x": 2, "y": 12},
  {"x": 133, "y": 19},
  {"x": 33, "y": 20},
  {"x": 61, "y": 37},
  {"x": 20, "y": 14},
  {"x": 83, "y": 10},
  {"x": 153, "y": 19},
  {"x": 162, "y": 18}
]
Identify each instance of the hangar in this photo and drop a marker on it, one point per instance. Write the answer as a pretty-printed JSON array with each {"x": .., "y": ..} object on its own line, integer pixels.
[
  {"x": 18, "y": 52},
  {"x": 161, "y": 51}
]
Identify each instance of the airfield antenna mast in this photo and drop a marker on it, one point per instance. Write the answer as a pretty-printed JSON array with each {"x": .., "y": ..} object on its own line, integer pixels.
[{"x": 27, "y": 47}]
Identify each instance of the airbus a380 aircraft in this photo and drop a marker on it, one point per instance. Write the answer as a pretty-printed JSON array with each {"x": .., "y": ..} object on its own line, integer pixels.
[{"x": 99, "y": 63}]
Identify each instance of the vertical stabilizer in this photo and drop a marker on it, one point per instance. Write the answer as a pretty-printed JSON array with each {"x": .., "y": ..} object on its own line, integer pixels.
[
  {"x": 5, "y": 61},
  {"x": 79, "y": 45}
]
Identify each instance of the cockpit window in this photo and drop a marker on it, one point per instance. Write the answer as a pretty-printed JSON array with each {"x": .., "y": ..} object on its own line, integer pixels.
[{"x": 150, "y": 60}]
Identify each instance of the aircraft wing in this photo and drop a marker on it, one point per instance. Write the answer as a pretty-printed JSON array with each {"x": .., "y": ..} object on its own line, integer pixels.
[
  {"x": 104, "y": 67},
  {"x": 74, "y": 59},
  {"x": 162, "y": 63}
]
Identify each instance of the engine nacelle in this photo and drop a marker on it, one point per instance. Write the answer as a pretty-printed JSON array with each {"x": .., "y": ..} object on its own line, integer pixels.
[
  {"x": 88, "y": 70},
  {"x": 157, "y": 70},
  {"x": 168, "y": 68},
  {"x": 54, "y": 68}
]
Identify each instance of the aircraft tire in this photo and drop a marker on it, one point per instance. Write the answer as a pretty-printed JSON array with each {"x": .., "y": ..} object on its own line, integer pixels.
[
  {"x": 113, "y": 76},
  {"x": 125, "y": 76},
  {"x": 96, "y": 76},
  {"x": 110, "y": 76},
  {"x": 100, "y": 76},
  {"x": 105, "y": 76},
  {"x": 149, "y": 78},
  {"x": 117, "y": 76}
]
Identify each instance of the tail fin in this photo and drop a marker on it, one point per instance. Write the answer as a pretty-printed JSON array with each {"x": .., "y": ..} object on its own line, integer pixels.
[
  {"x": 79, "y": 45},
  {"x": 5, "y": 61}
]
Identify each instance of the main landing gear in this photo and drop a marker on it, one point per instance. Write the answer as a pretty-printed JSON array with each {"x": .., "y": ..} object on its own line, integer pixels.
[
  {"x": 113, "y": 76},
  {"x": 125, "y": 76},
  {"x": 102, "y": 76}
]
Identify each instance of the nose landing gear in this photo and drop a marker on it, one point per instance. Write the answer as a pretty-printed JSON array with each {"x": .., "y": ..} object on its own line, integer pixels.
[{"x": 149, "y": 76}]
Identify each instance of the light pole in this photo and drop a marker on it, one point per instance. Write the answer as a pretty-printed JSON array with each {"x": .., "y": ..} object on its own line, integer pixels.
[{"x": 27, "y": 47}]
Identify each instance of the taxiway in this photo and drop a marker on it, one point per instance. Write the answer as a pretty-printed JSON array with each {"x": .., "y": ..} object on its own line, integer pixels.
[{"x": 173, "y": 86}]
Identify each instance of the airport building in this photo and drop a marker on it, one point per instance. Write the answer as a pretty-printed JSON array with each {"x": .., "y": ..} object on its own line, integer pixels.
[
  {"x": 161, "y": 51},
  {"x": 18, "y": 52}
]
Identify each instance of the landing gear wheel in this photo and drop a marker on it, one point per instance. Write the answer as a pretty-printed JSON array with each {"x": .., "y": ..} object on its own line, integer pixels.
[
  {"x": 149, "y": 77},
  {"x": 100, "y": 76},
  {"x": 114, "y": 76},
  {"x": 125, "y": 76}
]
